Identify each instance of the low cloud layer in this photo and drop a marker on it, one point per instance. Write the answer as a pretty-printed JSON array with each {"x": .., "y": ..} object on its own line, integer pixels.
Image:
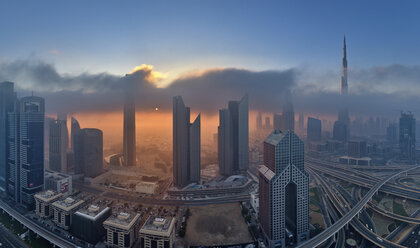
[{"x": 378, "y": 90}]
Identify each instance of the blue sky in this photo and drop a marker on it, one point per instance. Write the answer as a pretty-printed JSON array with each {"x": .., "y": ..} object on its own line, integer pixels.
[{"x": 177, "y": 36}]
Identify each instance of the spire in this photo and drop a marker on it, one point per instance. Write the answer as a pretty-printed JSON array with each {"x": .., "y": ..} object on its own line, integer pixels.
[{"x": 344, "y": 48}]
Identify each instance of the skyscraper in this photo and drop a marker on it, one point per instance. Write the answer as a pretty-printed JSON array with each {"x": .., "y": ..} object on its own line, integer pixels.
[
  {"x": 408, "y": 136},
  {"x": 186, "y": 145},
  {"x": 343, "y": 113},
  {"x": 288, "y": 117},
  {"x": 233, "y": 137},
  {"x": 58, "y": 144},
  {"x": 344, "y": 85},
  {"x": 259, "y": 123},
  {"x": 340, "y": 131},
  {"x": 314, "y": 129},
  {"x": 75, "y": 128},
  {"x": 129, "y": 135},
  {"x": 7, "y": 99},
  {"x": 91, "y": 140},
  {"x": 31, "y": 148},
  {"x": 284, "y": 190},
  {"x": 391, "y": 133},
  {"x": 277, "y": 121}
]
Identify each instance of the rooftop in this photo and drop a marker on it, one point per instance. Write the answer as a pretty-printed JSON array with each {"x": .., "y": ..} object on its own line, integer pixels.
[
  {"x": 158, "y": 226},
  {"x": 68, "y": 203},
  {"x": 122, "y": 220},
  {"x": 275, "y": 137},
  {"x": 93, "y": 211},
  {"x": 48, "y": 195}
]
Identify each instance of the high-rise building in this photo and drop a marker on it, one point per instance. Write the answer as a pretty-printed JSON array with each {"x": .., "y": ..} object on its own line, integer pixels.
[
  {"x": 284, "y": 190},
  {"x": 288, "y": 117},
  {"x": 259, "y": 121},
  {"x": 343, "y": 113},
  {"x": 129, "y": 135},
  {"x": 7, "y": 101},
  {"x": 75, "y": 128},
  {"x": 268, "y": 123},
  {"x": 300, "y": 121},
  {"x": 58, "y": 144},
  {"x": 88, "y": 152},
  {"x": 186, "y": 145},
  {"x": 233, "y": 134},
  {"x": 340, "y": 131},
  {"x": 277, "y": 121},
  {"x": 391, "y": 134},
  {"x": 314, "y": 130},
  {"x": 357, "y": 149},
  {"x": 408, "y": 136},
  {"x": 31, "y": 148}
]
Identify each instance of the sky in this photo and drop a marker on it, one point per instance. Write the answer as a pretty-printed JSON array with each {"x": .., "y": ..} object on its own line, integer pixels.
[{"x": 76, "y": 53}]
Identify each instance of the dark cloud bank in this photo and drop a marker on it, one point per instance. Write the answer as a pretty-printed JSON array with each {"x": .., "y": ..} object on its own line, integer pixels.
[{"x": 375, "y": 91}]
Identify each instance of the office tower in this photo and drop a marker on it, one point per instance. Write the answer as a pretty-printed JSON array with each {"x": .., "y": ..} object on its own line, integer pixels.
[
  {"x": 357, "y": 149},
  {"x": 233, "y": 134},
  {"x": 75, "y": 128},
  {"x": 31, "y": 148},
  {"x": 58, "y": 144},
  {"x": 391, "y": 133},
  {"x": 122, "y": 229},
  {"x": 129, "y": 139},
  {"x": 300, "y": 121},
  {"x": 340, "y": 131},
  {"x": 408, "y": 136},
  {"x": 277, "y": 121},
  {"x": 7, "y": 100},
  {"x": 284, "y": 190},
  {"x": 58, "y": 182},
  {"x": 288, "y": 117},
  {"x": 186, "y": 145},
  {"x": 89, "y": 152},
  {"x": 259, "y": 121},
  {"x": 267, "y": 123},
  {"x": 314, "y": 130}
]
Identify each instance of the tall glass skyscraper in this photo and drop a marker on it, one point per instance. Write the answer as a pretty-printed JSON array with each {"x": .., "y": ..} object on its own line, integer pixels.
[
  {"x": 186, "y": 145},
  {"x": 408, "y": 136},
  {"x": 233, "y": 137},
  {"x": 284, "y": 190},
  {"x": 7, "y": 99},
  {"x": 129, "y": 132},
  {"x": 31, "y": 148}
]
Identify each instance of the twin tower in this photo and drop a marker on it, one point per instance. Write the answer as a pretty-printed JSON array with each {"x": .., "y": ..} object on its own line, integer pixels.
[{"x": 232, "y": 141}]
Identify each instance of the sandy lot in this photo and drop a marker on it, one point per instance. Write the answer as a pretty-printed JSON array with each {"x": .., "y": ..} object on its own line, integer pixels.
[{"x": 216, "y": 224}]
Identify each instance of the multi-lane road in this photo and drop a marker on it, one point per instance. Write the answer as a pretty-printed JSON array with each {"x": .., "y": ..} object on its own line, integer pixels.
[{"x": 347, "y": 217}]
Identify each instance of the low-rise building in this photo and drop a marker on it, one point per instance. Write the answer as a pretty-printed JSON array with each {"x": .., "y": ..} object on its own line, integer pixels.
[
  {"x": 59, "y": 182},
  {"x": 355, "y": 161},
  {"x": 64, "y": 209},
  {"x": 43, "y": 201},
  {"x": 87, "y": 222},
  {"x": 157, "y": 232},
  {"x": 122, "y": 229}
]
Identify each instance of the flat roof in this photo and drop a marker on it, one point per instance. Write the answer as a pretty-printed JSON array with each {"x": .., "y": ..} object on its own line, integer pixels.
[
  {"x": 161, "y": 226},
  {"x": 275, "y": 137},
  {"x": 48, "y": 195},
  {"x": 123, "y": 220},
  {"x": 266, "y": 172},
  {"x": 68, "y": 203},
  {"x": 93, "y": 211}
]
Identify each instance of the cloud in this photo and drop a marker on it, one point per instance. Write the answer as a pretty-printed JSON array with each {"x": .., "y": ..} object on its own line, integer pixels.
[{"x": 375, "y": 91}]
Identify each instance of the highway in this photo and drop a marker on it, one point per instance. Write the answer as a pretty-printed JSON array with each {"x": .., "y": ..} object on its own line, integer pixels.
[
  {"x": 9, "y": 239},
  {"x": 41, "y": 231},
  {"x": 343, "y": 207},
  {"x": 388, "y": 214},
  {"x": 367, "y": 183},
  {"x": 327, "y": 233}
]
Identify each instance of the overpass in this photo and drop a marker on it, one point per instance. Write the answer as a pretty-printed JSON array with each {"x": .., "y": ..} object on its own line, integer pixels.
[
  {"x": 41, "y": 231},
  {"x": 346, "y": 218}
]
